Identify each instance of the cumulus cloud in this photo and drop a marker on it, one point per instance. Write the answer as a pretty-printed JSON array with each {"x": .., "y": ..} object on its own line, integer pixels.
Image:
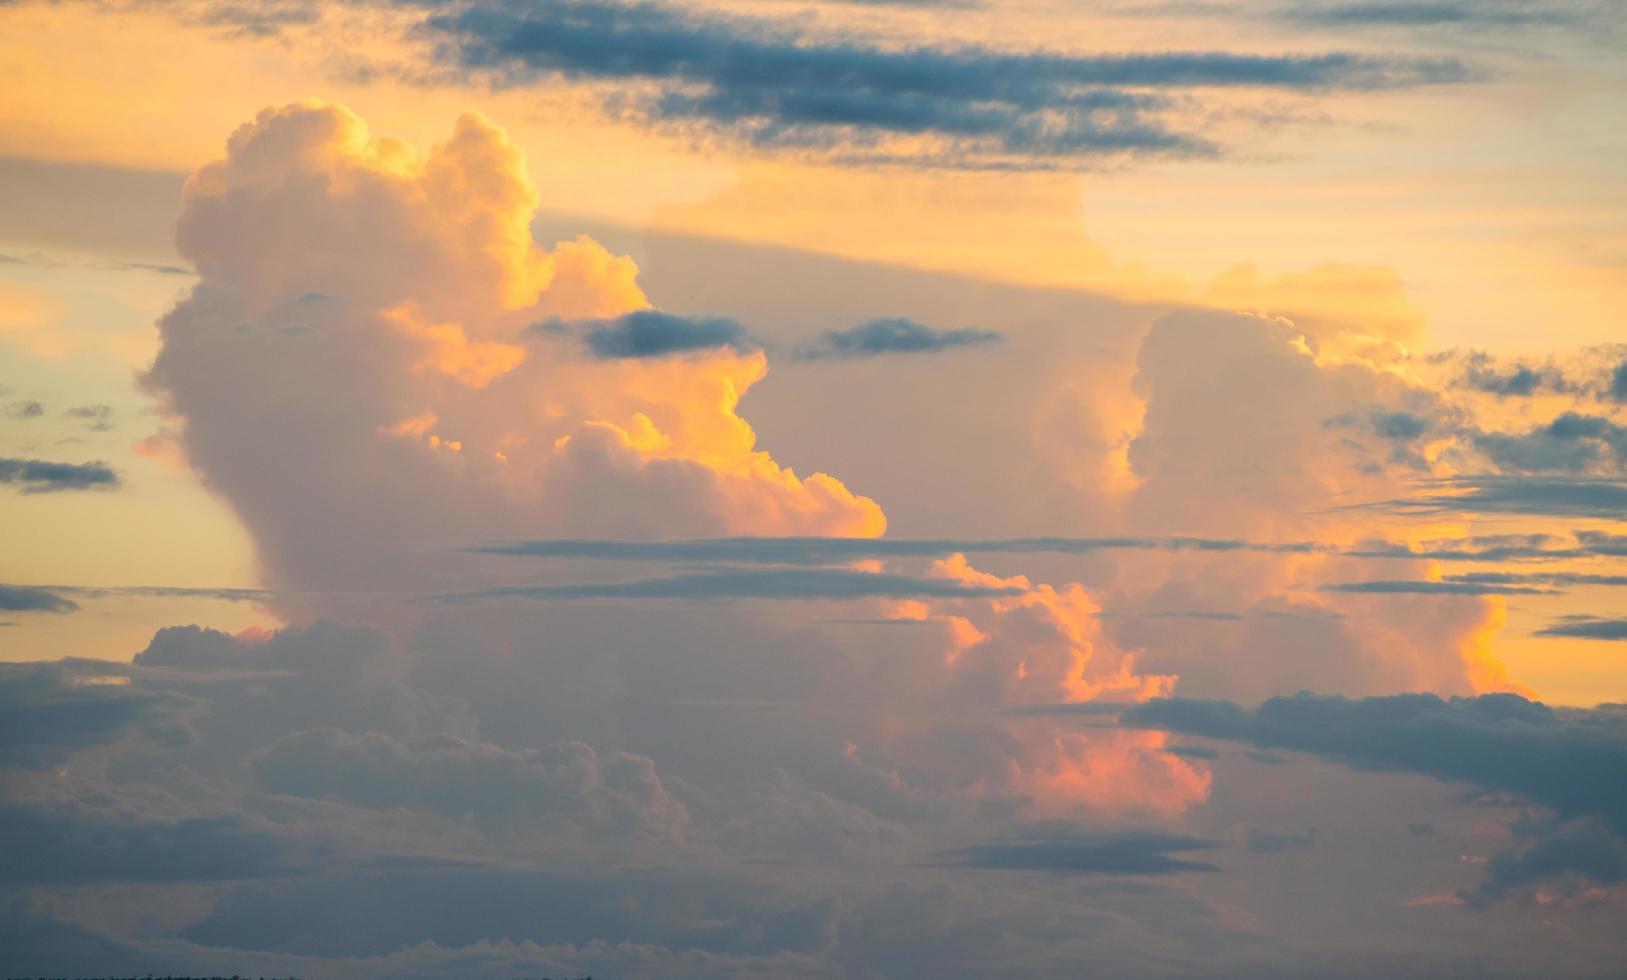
[
  {"x": 521, "y": 790},
  {"x": 44, "y": 476},
  {"x": 894, "y": 335},
  {"x": 417, "y": 404},
  {"x": 1310, "y": 422},
  {"x": 324, "y": 675},
  {"x": 680, "y": 788},
  {"x": 1269, "y": 459},
  {"x": 1340, "y": 309}
]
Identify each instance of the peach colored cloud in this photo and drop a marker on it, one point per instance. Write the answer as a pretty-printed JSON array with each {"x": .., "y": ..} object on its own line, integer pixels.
[{"x": 358, "y": 372}]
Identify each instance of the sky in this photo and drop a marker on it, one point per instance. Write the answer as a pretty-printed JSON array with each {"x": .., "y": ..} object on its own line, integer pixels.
[{"x": 802, "y": 488}]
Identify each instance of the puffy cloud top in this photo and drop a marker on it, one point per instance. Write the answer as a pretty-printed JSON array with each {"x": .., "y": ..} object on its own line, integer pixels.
[{"x": 354, "y": 368}]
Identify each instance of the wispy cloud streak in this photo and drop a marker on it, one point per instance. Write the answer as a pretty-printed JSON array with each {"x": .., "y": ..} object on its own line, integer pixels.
[
  {"x": 770, "y": 84},
  {"x": 753, "y": 583}
]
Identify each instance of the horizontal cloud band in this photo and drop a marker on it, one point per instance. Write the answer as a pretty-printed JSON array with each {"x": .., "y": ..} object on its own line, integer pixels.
[
  {"x": 44, "y": 476},
  {"x": 1570, "y": 760},
  {"x": 822, "y": 550},
  {"x": 783, "y": 583},
  {"x": 769, "y": 84}
]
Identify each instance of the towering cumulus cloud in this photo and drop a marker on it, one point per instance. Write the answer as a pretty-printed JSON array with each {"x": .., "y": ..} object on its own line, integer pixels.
[
  {"x": 378, "y": 369},
  {"x": 355, "y": 370}
]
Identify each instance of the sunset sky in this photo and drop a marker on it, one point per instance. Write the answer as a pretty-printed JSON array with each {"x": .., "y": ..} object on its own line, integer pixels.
[{"x": 805, "y": 488}]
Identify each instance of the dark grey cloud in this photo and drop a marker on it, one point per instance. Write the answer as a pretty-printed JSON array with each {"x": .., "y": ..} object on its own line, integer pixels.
[
  {"x": 1587, "y": 628},
  {"x": 348, "y": 829},
  {"x": 1519, "y": 382},
  {"x": 97, "y": 418},
  {"x": 652, "y": 333},
  {"x": 1516, "y": 379},
  {"x": 1263, "y": 841},
  {"x": 166, "y": 592},
  {"x": 48, "y": 710},
  {"x": 1404, "y": 426},
  {"x": 1571, "y": 761},
  {"x": 819, "y": 550},
  {"x": 1571, "y": 443},
  {"x": 968, "y": 4},
  {"x": 1129, "y": 852},
  {"x": 1616, "y": 387},
  {"x": 749, "y": 583},
  {"x": 374, "y": 914},
  {"x": 39, "y": 945},
  {"x": 1400, "y": 429},
  {"x": 28, "y": 598},
  {"x": 325, "y": 675},
  {"x": 1085, "y": 708},
  {"x": 1568, "y": 861},
  {"x": 44, "y": 476},
  {"x": 1427, "y": 13},
  {"x": 1407, "y": 587},
  {"x": 70, "y": 843},
  {"x": 893, "y": 335},
  {"x": 569, "y": 784},
  {"x": 50, "y": 262},
  {"x": 1539, "y": 496},
  {"x": 1209, "y": 615},
  {"x": 25, "y": 410},
  {"x": 60, "y": 598},
  {"x": 261, "y": 19},
  {"x": 770, "y": 84},
  {"x": 1502, "y": 548},
  {"x": 1540, "y": 578},
  {"x": 160, "y": 268}
]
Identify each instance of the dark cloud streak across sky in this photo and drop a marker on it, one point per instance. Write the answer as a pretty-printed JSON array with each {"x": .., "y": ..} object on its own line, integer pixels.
[{"x": 775, "y": 86}]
